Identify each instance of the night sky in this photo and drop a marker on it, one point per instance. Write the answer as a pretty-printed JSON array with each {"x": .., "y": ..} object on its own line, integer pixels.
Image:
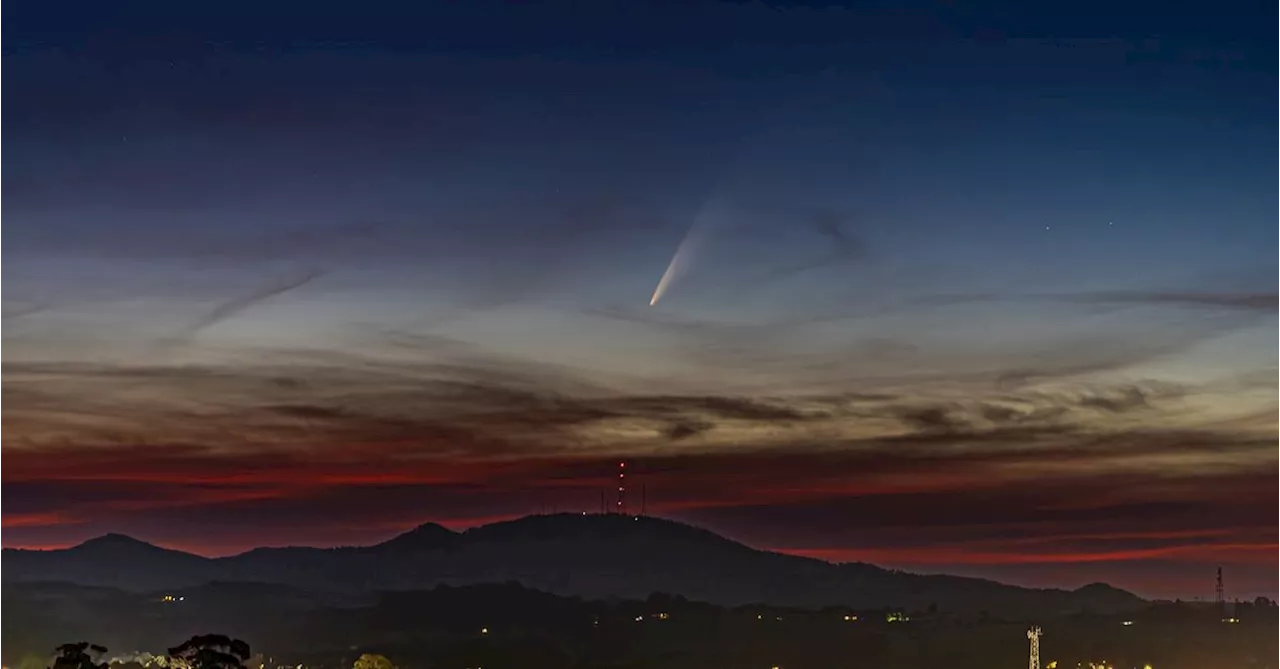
[{"x": 964, "y": 288}]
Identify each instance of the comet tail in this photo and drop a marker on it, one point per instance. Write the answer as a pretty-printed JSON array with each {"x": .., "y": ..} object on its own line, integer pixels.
[{"x": 677, "y": 264}]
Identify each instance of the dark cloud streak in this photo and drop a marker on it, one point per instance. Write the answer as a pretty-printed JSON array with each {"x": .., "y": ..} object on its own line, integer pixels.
[
  {"x": 238, "y": 304},
  {"x": 1262, "y": 302},
  {"x": 844, "y": 247}
]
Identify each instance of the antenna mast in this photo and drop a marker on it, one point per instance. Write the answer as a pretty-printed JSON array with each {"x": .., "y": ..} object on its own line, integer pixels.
[
  {"x": 1217, "y": 590},
  {"x": 1034, "y": 635}
]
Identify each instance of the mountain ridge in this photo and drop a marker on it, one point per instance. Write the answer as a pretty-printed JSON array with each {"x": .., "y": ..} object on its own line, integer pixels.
[{"x": 593, "y": 555}]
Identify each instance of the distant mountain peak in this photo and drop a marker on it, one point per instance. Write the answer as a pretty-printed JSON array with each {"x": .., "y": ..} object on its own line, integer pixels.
[
  {"x": 1098, "y": 587},
  {"x": 598, "y": 525},
  {"x": 113, "y": 539},
  {"x": 115, "y": 543},
  {"x": 426, "y": 535},
  {"x": 558, "y": 527}
]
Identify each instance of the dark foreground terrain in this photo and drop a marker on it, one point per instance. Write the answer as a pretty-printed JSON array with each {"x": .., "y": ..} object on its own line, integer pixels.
[{"x": 497, "y": 626}]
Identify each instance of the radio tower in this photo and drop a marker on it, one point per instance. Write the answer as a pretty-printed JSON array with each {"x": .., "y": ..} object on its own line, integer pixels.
[
  {"x": 1217, "y": 592},
  {"x": 622, "y": 488},
  {"x": 1034, "y": 635}
]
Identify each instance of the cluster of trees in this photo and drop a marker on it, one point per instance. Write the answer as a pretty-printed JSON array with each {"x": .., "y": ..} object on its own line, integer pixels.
[
  {"x": 206, "y": 651},
  {"x": 372, "y": 661}
]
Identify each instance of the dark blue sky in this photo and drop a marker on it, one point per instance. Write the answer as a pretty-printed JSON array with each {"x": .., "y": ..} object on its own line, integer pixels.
[{"x": 976, "y": 217}]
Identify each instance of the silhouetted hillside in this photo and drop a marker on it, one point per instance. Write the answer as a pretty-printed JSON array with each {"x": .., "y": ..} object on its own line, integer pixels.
[
  {"x": 112, "y": 560},
  {"x": 592, "y": 556}
]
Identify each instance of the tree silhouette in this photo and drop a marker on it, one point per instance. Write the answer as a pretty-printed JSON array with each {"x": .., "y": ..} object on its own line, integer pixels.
[
  {"x": 211, "y": 651},
  {"x": 373, "y": 661},
  {"x": 78, "y": 655}
]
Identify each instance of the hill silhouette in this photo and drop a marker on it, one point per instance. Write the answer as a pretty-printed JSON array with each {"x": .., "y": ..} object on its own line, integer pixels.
[{"x": 593, "y": 556}]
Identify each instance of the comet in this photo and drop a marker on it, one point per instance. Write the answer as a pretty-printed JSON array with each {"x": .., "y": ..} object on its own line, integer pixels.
[
  {"x": 678, "y": 261},
  {"x": 683, "y": 257}
]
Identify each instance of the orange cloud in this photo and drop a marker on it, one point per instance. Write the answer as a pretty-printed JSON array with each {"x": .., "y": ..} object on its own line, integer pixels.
[{"x": 37, "y": 519}]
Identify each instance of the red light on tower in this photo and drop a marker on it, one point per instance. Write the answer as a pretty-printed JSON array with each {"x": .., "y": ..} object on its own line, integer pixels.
[{"x": 622, "y": 488}]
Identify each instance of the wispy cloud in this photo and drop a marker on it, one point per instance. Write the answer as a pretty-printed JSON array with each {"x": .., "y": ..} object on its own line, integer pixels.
[
  {"x": 1265, "y": 302},
  {"x": 19, "y": 310},
  {"x": 242, "y": 302},
  {"x": 842, "y": 246}
]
